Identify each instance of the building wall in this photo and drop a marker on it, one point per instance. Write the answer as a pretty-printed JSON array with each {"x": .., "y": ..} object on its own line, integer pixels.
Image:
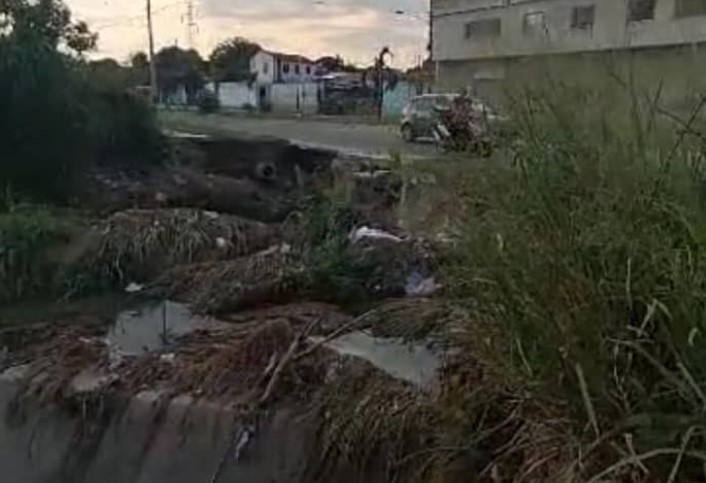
[
  {"x": 263, "y": 64},
  {"x": 302, "y": 98},
  {"x": 611, "y": 29},
  {"x": 675, "y": 71},
  {"x": 287, "y": 71}
]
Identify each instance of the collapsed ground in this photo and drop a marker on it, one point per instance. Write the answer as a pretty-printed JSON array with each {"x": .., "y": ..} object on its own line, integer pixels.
[
  {"x": 236, "y": 269},
  {"x": 556, "y": 291}
]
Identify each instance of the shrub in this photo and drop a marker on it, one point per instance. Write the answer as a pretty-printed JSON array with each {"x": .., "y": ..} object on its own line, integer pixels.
[
  {"x": 42, "y": 122},
  {"x": 56, "y": 119},
  {"x": 123, "y": 128}
]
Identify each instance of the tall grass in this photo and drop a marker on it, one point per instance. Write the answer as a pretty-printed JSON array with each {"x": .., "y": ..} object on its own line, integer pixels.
[{"x": 583, "y": 246}]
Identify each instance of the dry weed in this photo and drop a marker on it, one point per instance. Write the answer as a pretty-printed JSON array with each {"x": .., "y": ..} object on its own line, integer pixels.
[
  {"x": 139, "y": 244},
  {"x": 266, "y": 277}
]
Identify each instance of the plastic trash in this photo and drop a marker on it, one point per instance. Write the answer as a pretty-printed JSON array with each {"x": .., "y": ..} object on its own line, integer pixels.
[
  {"x": 365, "y": 232},
  {"x": 134, "y": 288},
  {"x": 417, "y": 285}
]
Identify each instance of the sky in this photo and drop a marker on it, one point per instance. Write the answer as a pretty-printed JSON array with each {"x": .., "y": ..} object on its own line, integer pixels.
[{"x": 355, "y": 29}]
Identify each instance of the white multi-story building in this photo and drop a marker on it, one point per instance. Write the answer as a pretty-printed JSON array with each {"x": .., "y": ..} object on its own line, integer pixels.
[
  {"x": 276, "y": 68},
  {"x": 479, "y": 42}
]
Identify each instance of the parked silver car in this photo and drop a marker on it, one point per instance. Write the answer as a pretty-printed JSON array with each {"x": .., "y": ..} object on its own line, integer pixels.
[{"x": 420, "y": 115}]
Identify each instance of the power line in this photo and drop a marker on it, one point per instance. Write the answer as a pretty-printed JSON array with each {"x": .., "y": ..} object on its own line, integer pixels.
[{"x": 135, "y": 18}]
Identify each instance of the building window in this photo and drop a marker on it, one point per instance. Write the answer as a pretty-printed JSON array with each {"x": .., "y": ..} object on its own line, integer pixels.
[
  {"x": 690, "y": 8},
  {"x": 285, "y": 68},
  {"x": 265, "y": 67},
  {"x": 583, "y": 17},
  {"x": 534, "y": 24},
  {"x": 639, "y": 10},
  {"x": 297, "y": 71},
  {"x": 308, "y": 70},
  {"x": 489, "y": 27}
]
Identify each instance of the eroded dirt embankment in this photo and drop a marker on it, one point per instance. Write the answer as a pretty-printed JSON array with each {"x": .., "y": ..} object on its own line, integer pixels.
[{"x": 257, "y": 335}]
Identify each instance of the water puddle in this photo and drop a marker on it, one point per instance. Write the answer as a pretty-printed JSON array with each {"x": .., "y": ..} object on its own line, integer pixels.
[
  {"x": 153, "y": 327},
  {"x": 414, "y": 362}
]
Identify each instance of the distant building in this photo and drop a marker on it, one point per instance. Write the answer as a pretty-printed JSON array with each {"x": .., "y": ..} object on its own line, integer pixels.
[
  {"x": 477, "y": 43},
  {"x": 278, "y": 68}
]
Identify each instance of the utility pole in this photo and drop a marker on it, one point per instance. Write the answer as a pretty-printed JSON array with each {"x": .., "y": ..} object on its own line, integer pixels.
[
  {"x": 153, "y": 67},
  {"x": 190, "y": 23}
]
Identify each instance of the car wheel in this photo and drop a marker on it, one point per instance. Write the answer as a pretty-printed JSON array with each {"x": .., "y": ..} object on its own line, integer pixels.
[{"x": 407, "y": 133}]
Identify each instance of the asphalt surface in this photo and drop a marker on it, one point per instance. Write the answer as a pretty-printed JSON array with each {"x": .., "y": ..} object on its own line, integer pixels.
[{"x": 346, "y": 137}]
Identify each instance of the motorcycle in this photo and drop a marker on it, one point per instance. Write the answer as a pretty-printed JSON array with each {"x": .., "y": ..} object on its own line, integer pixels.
[{"x": 461, "y": 129}]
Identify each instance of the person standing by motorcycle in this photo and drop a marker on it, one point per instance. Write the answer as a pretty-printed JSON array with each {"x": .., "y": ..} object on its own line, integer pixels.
[{"x": 461, "y": 127}]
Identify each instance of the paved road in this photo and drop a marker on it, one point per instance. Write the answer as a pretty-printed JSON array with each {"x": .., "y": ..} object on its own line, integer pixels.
[{"x": 349, "y": 138}]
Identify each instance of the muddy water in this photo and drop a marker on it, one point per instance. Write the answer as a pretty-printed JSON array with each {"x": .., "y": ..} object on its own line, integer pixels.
[
  {"x": 412, "y": 362},
  {"x": 153, "y": 327}
]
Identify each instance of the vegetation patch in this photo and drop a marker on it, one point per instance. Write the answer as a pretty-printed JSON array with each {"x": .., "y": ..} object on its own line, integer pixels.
[
  {"x": 26, "y": 236},
  {"x": 275, "y": 275},
  {"x": 138, "y": 245},
  {"x": 582, "y": 248}
]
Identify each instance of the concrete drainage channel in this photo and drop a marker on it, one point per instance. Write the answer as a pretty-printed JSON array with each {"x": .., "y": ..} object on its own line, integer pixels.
[{"x": 252, "y": 393}]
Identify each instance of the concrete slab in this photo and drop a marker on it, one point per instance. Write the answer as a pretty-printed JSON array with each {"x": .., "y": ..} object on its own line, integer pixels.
[{"x": 146, "y": 440}]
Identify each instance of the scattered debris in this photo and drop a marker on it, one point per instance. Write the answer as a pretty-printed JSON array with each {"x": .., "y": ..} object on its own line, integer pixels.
[
  {"x": 372, "y": 233},
  {"x": 134, "y": 288},
  {"x": 419, "y": 286}
]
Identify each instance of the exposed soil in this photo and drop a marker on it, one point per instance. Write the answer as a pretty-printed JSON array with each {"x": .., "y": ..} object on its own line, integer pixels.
[{"x": 205, "y": 234}]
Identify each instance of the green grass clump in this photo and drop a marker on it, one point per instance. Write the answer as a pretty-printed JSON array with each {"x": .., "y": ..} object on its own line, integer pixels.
[
  {"x": 25, "y": 237},
  {"x": 583, "y": 247}
]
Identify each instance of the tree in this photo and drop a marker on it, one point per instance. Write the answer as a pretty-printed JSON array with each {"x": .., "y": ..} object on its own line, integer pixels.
[
  {"x": 331, "y": 64},
  {"x": 57, "y": 116},
  {"x": 139, "y": 60},
  {"x": 176, "y": 68},
  {"x": 140, "y": 66},
  {"x": 335, "y": 64},
  {"x": 230, "y": 60},
  {"x": 49, "y": 22}
]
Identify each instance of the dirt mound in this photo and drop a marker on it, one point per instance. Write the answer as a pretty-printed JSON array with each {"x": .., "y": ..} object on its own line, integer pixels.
[
  {"x": 231, "y": 365},
  {"x": 56, "y": 362},
  {"x": 267, "y": 277},
  {"x": 114, "y": 190},
  {"x": 137, "y": 245}
]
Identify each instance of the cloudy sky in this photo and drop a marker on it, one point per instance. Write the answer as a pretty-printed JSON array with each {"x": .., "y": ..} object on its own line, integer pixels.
[{"x": 356, "y": 29}]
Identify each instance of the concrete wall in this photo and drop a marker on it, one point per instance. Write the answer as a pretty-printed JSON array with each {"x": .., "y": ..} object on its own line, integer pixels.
[
  {"x": 182, "y": 441},
  {"x": 236, "y": 95},
  {"x": 295, "y": 98},
  {"x": 611, "y": 30},
  {"x": 677, "y": 71}
]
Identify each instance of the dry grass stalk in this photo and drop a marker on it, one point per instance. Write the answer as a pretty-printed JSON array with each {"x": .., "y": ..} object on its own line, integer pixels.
[
  {"x": 266, "y": 277},
  {"x": 138, "y": 244}
]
